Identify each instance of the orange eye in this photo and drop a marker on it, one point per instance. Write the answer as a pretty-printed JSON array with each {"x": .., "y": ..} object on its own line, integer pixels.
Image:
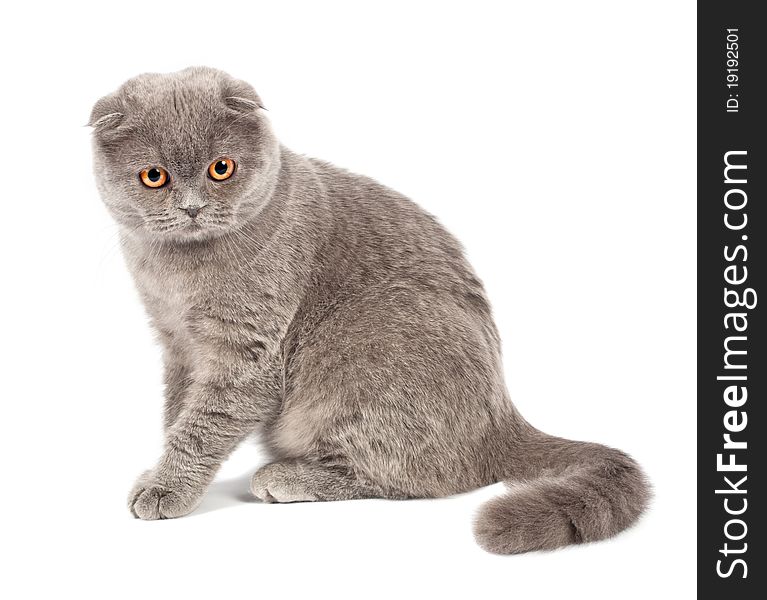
[
  {"x": 222, "y": 169},
  {"x": 154, "y": 177}
]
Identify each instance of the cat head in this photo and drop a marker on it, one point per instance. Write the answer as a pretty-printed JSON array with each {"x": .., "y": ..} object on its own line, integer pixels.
[{"x": 183, "y": 156}]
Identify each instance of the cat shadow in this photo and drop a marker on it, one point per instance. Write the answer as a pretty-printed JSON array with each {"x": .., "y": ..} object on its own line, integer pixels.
[
  {"x": 227, "y": 493},
  {"x": 234, "y": 491}
]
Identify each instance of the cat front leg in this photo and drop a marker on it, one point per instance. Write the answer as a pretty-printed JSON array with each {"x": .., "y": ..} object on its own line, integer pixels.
[
  {"x": 177, "y": 381},
  {"x": 214, "y": 420},
  {"x": 177, "y": 372}
]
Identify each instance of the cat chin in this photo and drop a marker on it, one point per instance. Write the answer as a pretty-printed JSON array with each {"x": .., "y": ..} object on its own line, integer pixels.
[{"x": 191, "y": 233}]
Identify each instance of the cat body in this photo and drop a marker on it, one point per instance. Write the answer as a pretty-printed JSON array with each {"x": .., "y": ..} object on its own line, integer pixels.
[{"x": 331, "y": 316}]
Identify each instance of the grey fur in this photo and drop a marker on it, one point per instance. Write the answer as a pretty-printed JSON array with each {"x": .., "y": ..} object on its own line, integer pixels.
[{"x": 334, "y": 317}]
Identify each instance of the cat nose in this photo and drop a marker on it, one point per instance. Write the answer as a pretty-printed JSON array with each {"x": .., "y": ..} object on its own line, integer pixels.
[{"x": 192, "y": 211}]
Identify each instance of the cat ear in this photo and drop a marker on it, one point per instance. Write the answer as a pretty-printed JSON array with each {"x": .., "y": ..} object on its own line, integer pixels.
[
  {"x": 241, "y": 96},
  {"x": 107, "y": 113},
  {"x": 241, "y": 104}
]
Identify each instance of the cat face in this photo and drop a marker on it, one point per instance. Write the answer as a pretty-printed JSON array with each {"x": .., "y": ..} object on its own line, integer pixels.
[{"x": 183, "y": 156}]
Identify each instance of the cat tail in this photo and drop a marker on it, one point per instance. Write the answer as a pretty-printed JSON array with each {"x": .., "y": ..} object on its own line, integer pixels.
[{"x": 562, "y": 492}]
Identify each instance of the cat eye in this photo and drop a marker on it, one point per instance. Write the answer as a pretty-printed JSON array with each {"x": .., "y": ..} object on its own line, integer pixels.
[
  {"x": 221, "y": 169},
  {"x": 154, "y": 177}
]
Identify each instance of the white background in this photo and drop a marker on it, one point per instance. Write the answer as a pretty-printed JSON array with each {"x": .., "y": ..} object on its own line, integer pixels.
[{"x": 555, "y": 139}]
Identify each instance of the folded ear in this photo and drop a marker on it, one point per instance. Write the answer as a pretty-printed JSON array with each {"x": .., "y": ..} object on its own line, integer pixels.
[
  {"x": 240, "y": 96},
  {"x": 107, "y": 113}
]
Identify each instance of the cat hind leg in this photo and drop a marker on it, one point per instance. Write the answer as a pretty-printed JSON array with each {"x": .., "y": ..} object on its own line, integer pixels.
[{"x": 305, "y": 481}]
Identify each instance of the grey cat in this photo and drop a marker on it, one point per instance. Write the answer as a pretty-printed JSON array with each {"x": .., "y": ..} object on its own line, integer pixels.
[{"x": 330, "y": 315}]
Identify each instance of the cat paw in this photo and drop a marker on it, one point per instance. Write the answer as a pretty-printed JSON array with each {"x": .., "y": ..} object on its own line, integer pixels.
[
  {"x": 151, "y": 500},
  {"x": 279, "y": 483}
]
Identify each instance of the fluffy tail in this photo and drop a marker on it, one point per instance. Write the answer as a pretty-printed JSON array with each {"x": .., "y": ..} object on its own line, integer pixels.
[{"x": 562, "y": 492}]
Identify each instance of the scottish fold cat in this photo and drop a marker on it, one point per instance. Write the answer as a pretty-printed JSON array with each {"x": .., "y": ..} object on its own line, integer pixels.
[{"x": 332, "y": 317}]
